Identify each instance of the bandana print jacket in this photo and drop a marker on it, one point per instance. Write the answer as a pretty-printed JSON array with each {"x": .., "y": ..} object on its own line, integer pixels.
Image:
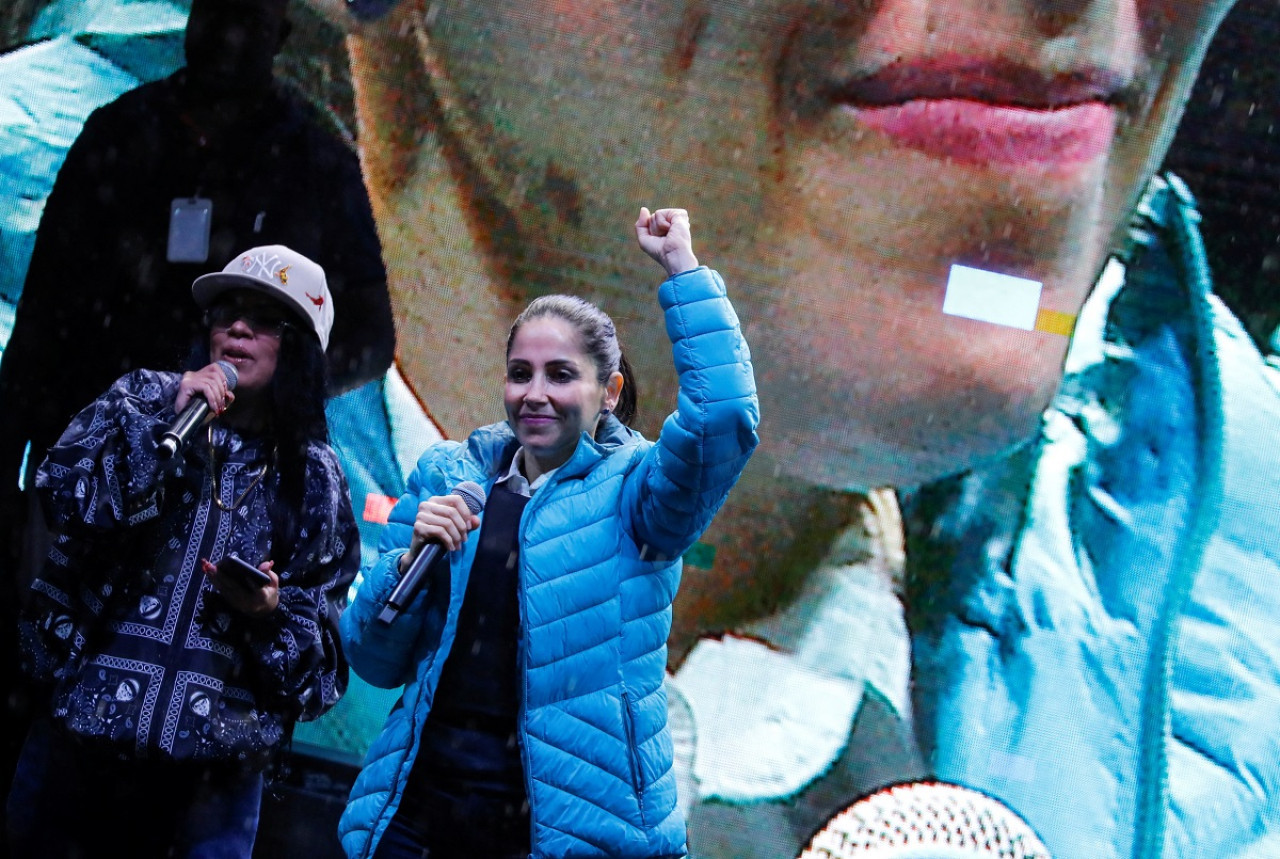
[{"x": 145, "y": 658}]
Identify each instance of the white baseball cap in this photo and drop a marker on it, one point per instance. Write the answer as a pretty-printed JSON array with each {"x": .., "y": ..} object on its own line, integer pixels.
[{"x": 281, "y": 273}]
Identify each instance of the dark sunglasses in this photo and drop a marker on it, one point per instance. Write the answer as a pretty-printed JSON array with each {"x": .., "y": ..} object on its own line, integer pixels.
[{"x": 261, "y": 320}]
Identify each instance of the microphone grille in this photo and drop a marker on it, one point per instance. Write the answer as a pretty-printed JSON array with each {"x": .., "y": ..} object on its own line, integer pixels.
[
  {"x": 926, "y": 820},
  {"x": 229, "y": 370},
  {"x": 472, "y": 495}
]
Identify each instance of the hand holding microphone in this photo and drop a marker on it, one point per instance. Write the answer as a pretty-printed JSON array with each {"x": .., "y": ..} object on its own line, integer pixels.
[
  {"x": 442, "y": 524},
  {"x": 202, "y": 394}
]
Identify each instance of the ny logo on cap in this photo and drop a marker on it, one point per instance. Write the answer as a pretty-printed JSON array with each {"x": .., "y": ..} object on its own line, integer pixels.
[{"x": 265, "y": 267}]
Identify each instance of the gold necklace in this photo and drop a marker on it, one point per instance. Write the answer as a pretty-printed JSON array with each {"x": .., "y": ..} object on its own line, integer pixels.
[{"x": 213, "y": 477}]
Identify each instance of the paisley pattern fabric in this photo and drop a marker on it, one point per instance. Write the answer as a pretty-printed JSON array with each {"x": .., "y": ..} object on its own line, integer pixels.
[{"x": 145, "y": 658}]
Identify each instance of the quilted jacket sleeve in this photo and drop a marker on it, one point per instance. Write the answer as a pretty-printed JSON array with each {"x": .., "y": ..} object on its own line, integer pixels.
[
  {"x": 384, "y": 654},
  {"x": 706, "y": 442}
]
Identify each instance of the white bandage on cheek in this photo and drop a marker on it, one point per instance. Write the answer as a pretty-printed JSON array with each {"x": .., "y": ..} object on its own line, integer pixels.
[{"x": 1001, "y": 299}]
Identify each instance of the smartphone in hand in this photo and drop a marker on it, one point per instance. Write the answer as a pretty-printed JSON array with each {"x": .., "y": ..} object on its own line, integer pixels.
[{"x": 243, "y": 572}]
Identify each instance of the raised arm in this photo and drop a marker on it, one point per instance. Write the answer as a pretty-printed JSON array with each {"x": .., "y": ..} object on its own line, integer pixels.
[{"x": 706, "y": 442}]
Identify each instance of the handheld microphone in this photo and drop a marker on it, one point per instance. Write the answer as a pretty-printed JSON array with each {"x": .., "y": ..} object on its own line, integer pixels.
[
  {"x": 407, "y": 588},
  {"x": 192, "y": 418},
  {"x": 926, "y": 820}
]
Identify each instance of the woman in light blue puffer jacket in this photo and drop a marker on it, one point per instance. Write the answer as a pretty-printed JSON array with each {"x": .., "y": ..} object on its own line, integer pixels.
[{"x": 533, "y": 719}]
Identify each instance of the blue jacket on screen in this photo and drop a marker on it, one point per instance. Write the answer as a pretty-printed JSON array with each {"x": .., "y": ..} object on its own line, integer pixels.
[
  {"x": 1095, "y": 620},
  {"x": 600, "y": 552}
]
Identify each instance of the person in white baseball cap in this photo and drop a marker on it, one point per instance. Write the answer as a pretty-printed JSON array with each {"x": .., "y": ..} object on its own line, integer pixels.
[{"x": 154, "y": 548}]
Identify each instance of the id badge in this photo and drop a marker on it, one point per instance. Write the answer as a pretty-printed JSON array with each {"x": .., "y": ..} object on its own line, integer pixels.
[{"x": 190, "y": 219}]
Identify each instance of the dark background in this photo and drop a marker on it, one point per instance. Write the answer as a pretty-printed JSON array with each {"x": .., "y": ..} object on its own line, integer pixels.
[{"x": 1228, "y": 151}]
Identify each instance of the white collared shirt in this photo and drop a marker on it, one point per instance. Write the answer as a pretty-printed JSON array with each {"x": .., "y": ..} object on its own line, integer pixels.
[{"x": 516, "y": 481}]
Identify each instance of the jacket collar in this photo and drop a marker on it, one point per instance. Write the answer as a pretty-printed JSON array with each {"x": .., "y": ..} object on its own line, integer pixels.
[{"x": 494, "y": 445}]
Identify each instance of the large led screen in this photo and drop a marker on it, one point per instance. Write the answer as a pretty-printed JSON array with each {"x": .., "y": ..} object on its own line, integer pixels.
[{"x": 1013, "y": 525}]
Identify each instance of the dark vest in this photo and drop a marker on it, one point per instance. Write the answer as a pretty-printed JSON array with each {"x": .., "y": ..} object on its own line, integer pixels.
[{"x": 469, "y": 762}]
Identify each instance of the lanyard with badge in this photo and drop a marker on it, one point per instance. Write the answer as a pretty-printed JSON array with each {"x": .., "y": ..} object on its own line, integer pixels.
[{"x": 190, "y": 222}]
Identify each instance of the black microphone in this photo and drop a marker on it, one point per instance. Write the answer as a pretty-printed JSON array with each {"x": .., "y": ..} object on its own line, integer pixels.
[
  {"x": 192, "y": 418},
  {"x": 407, "y": 588}
]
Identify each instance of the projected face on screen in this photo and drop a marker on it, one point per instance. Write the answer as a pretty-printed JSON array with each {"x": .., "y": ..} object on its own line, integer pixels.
[
  {"x": 910, "y": 202},
  {"x": 838, "y": 159}
]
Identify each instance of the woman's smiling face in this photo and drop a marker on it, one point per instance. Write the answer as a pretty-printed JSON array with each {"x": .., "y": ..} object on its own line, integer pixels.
[
  {"x": 838, "y": 158},
  {"x": 552, "y": 392}
]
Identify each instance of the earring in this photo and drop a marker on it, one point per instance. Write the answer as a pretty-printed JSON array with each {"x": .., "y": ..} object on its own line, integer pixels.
[{"x": 604, "y": 413}]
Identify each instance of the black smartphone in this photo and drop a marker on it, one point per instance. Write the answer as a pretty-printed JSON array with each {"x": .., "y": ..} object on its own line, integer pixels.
[{"x": 243, "y": 572}]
